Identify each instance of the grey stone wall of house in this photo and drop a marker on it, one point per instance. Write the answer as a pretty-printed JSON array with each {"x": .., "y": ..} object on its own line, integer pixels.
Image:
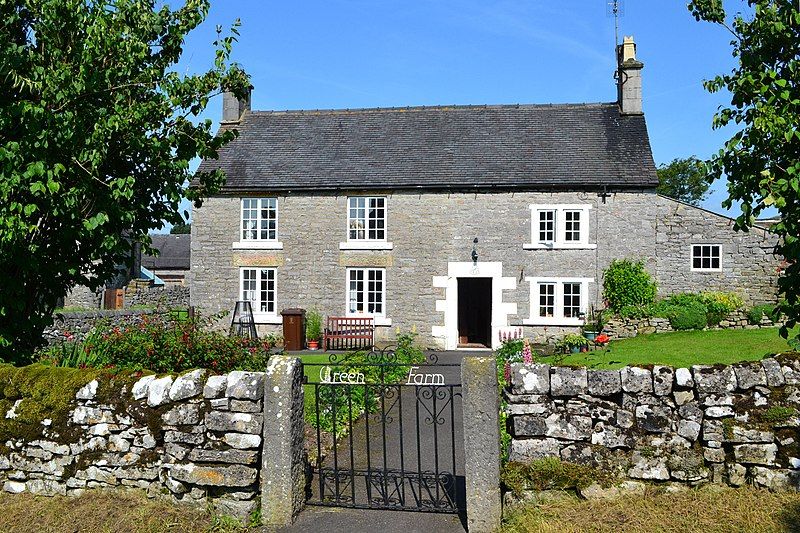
[
  {"x": 429, "y": 231},
  {"x": 191, "y": 438},
  {"x": 161, "y": 297},
  {"x": 749, "y": 265},
  {"x": 734, "y": 424}
]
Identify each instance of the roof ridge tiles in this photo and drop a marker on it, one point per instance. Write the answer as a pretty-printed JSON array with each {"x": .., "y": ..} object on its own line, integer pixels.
[{"x": 438, "y": 107}]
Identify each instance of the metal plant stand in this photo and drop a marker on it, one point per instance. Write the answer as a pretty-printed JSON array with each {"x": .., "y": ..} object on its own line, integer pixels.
[{"x": 243, "y": 324}]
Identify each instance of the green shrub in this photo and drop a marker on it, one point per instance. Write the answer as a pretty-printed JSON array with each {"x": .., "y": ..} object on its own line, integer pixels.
[
  {"x": 720, "y": 304},
  {"x": 161, "y": 344},
  {"x": 688, "y": 315},
  {"x": 755, "y": 314},
  {"x": 627, "y": 283}
]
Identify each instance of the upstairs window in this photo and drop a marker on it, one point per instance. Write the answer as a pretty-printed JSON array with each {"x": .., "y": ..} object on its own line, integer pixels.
[
  {"x": 560, "y": 226},
  {"x": 259, "y": 219},
  {"x": 547, "y": 225},
  {"x": 572, "y": 226},
  {"x": 707, "y": 257},
  {"x": 366, "y": 218}
]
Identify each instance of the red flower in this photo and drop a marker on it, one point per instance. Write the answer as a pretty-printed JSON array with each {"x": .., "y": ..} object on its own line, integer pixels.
[{"x": 602, "y": 339}]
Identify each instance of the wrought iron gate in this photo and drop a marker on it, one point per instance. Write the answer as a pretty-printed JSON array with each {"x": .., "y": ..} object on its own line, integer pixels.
[{"x": 385, "y": 434}]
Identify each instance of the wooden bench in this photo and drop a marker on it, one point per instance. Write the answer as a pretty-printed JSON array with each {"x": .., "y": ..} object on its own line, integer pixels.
[{"x": 349, "y": 333}]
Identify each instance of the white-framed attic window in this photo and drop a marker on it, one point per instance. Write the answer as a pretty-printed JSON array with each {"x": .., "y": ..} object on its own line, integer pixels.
[
  {"x": 559, "y": 226},
  {"x": 558, "y": 301}
]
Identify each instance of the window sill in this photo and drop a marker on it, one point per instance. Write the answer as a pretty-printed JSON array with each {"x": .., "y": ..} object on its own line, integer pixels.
[
  {"x": 558, "y": 246},
  {"x": 566, "y": 322},
  {"x": 366, "y": 245},
  {"x": 267, "y": 319},
  {"x": 377, "y": 320},
  {"x": 257, "y": 245},
  {"x": 707, "y": 270}
]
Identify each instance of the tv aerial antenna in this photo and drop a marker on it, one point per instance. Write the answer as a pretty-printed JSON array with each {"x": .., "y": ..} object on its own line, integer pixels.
[{"x": 616, "y": 9}]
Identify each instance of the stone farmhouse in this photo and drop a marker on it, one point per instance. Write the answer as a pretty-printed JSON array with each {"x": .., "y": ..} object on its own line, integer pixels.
[{"x": 460, "y": 222}]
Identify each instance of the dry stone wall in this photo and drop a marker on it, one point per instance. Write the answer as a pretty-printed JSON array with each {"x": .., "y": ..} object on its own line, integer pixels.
[
  {"x": 728, "y": 424},
  {"x": 192, "y": 438},
  {"x": 623, "y": 328}
]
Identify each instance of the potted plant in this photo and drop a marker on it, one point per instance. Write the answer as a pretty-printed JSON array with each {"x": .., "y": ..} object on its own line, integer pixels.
[
  {"x": 594, "y": 324},
  {"x": 573, "y": 343},
  {"x": 313, "y": 329}
]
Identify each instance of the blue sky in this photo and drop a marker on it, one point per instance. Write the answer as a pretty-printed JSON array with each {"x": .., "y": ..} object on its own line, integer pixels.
[{"x": 361, "y": 53}]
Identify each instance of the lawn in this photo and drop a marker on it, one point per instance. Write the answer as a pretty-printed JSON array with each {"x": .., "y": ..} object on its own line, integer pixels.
[
  {"x": 711, "y": 509},
  {"x": 683, "y": 349}
]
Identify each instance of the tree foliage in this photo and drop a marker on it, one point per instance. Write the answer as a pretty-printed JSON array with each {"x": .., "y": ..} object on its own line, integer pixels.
[
  {"x": 97, "y": 130},
  {"x": 181, "y": 229},
  {"x": 762, "y": 159},
  {"x": 684, "y": 180}
]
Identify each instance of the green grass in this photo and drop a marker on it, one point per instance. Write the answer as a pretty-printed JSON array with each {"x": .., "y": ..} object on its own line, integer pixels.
[
  {"x": 710, "y": 509},
  {"x": 683, "y": 349}
]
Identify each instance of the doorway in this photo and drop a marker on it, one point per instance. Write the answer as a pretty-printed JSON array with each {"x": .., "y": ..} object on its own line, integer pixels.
[{"x": 474, "y": 312}]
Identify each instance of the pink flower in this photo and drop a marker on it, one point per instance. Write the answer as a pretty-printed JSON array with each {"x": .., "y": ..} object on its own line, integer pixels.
[
  {"x": 527, "y": 356},
  {"x": 507, "y": 372}
]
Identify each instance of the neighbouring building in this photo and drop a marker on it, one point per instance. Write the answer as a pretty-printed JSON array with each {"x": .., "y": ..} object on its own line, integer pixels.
[
  {"x": 171, "y": 265},
  {"x": 462, "y": 222}
]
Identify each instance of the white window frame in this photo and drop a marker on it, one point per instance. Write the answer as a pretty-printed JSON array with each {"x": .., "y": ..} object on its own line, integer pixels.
[
  {"x": 558, "y": 318},
  {"x": 367, "y": 243},
  {"x": 379, "y": 318},
  {"x": 259, "y": 316},
  {"x": 692, "y": 256},
  {"x": 258, "y": 243},
  {"x": 560, "y": 241}
]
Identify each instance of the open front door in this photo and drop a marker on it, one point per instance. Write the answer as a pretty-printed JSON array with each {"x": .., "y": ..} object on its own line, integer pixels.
[{"x": 475, "y": 312}]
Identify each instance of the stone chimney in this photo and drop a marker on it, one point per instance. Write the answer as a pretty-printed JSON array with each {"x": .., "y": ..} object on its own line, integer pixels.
[
  {"x": 233, "y": 108},
  {"x": 629, "y": 78}
]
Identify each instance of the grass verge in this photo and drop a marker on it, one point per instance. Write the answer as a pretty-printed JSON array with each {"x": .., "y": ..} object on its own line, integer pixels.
[
  {"x": 101, "y": 512},
  {"x": 683, "y": 349},
  {"x": 710, "y": 510}
]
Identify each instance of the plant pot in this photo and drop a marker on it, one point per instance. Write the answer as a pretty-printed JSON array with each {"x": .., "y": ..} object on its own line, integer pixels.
[
  {"x": 590, "y": 335},
  {"x": 574, "y": 349},
  {"x": 313, "y": 345},
  {"x": 584, "y": 349}
]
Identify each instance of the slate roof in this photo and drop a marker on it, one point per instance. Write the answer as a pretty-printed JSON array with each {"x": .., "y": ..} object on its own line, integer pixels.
[
  {"x": 175, "y": 252},
  {"x": 535, "y": 147}
]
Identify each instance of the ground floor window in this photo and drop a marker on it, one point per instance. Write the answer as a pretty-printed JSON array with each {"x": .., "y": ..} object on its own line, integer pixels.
[
  {"x": 366, "y": 291},
  {"x": 707, "y": 257},
  {"x": 558, "y": 301},
  {"x": 258, "y": 286}
]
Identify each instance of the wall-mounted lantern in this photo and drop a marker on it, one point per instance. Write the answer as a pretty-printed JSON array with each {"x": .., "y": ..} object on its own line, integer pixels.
[{"x": 474, "y": 250}]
